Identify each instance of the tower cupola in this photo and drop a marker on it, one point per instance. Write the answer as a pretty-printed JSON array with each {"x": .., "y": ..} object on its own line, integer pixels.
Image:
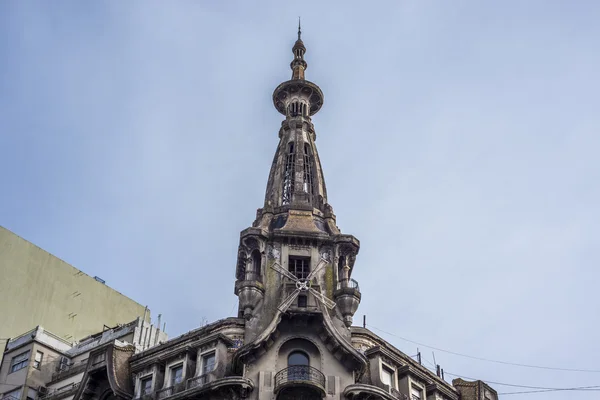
[{"x": 294, "y": 259}]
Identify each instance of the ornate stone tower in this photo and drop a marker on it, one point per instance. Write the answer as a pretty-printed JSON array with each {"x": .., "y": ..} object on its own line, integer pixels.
[{"x": 294, "y": 260}]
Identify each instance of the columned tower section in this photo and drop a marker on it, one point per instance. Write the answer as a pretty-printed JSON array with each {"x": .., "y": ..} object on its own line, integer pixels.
[{"x": 294, "y": 260}]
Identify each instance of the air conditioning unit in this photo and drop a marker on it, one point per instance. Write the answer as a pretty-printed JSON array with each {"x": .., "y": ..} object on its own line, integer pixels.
[
  {"x": 64, "y": 364},
  {"x": 42, "y": 390}
]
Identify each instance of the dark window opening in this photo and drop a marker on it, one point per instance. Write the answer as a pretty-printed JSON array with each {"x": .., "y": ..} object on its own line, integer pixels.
[
  {"x": 300, "y": 267},
  {"x": 298, "y": 358},
  {"x": 19, "y": 362},
  {"x": 302, "y": 301},
  {"x": 308, "y": 177},
  {"x": 208, "y": 363},
  {"x": 288, "y": 175},
  {"x": 341, "y": 278},
  {"x": 254, "y": 275},
  {"x": 146, "y": 386},
  {"x": 176, "y": 375}
]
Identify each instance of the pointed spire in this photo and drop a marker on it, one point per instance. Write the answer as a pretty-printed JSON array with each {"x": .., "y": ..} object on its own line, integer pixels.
[{"x": 298, "y": 65}]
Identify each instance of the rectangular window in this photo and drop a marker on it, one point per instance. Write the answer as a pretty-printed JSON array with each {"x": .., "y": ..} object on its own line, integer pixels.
[
  {"x": 14, "y": 395},
  {"x": 387, "y": 376},
  {"x": 416, "y": 393},
  {"x": 302, "y": 301},
  {"x": 19, "y": 362},
  {"x": 146, "y": 385},
  {"x": 208, "y": 363},
  {"x": 176, "y": 374},
  {"x": 37, "y": 362},
  {"x": 300, "y": 267}
]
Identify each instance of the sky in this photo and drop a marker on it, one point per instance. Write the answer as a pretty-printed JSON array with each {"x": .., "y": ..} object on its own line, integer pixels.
[{"x": 459, "y": 142}]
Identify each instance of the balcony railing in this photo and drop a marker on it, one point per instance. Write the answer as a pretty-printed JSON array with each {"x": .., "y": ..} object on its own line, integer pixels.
[
  {"x": 299, "y": 374},
  {"x": 62, "y": 392},
  {"x": 197, "y": 381},
  {"x": 348, "y": 283},
  {"x": 166, "y": 392},
  {"x": 65, "y": 370},
  {"x": 171, "y": 390}
]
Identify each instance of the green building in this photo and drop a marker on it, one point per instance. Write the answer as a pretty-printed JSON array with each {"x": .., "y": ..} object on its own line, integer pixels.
[{"x": 37, "y": 288}]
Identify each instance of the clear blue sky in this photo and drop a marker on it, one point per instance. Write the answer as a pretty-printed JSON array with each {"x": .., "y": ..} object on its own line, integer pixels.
[{"x": 459, "y": 140}]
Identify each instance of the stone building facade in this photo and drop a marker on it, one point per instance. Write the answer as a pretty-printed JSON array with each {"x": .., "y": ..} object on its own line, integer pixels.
[
  {"x": 39, "y": 365},
  {"x": 293, "y": 336}
]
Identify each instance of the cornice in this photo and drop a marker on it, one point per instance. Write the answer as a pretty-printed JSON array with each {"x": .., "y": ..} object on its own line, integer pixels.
[
  {"x": 190, "y": 336},
  {"x": 396, "y": 355},
  {"x": 177, "y": 349}
]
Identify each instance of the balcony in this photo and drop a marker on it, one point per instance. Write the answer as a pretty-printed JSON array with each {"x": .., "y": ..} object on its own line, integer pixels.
[
  {"x": 198, "y": 381},
  {"x": 66, "y": 370},
  {"x": 60, "y": 393},
  {"x": 300, "y": 376},
  {"x": 350, "y": 283},
  {"x": 347, "y": 298},
  {"x": 170, "y": 391}
]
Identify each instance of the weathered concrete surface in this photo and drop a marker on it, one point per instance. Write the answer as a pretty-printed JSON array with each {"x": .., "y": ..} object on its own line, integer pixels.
[{"x": 37, "y": 288}]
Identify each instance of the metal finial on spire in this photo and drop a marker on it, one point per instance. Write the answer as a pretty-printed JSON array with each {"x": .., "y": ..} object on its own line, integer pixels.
[{"x": 299, "y": 31}]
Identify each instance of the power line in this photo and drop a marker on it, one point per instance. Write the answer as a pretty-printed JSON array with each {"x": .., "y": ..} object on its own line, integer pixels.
[
  {"x": 539, "y": 389},
  {"x": 487, "y": 359},
  {"x": 582, "y": 389},
  {"x": 519, "y": 386}
]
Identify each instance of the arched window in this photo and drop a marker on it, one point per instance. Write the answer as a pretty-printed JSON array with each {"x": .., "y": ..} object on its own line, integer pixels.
[
  {"x": 256, "y": 261},
  {"x": 298, "y": 366},
  {"x": 308, "y": 178},
  {"x": 341, "y": 277},
  {"x": 298, "y": 358},
  {"x": 288, "y": 175}
]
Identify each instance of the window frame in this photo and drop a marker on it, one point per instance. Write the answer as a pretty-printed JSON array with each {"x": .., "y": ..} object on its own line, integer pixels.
[
  {"x": 18, "y": 391},
  {"x": 144, "y": 379},
  {"x": 392, "y": 374},
  {"x": 205, "y": 357},
  {"x": 172, "y": 369},
  {"x": 416, "y": 388},
  {"x": 303, "y": 353},
  {"x": 302, "y": 301},
  {"x": 305, "y": 268},
  {"x": 23, "y": 363},
  {"x": 37, "y": 364}
]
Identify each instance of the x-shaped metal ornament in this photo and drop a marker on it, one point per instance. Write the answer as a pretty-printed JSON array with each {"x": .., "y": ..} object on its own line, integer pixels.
[{"x": 302, "y": 285}]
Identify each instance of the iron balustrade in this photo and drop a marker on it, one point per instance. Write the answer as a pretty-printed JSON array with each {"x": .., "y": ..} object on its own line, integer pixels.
[
  {"x": 197, "y": 381},
  {"x": 299, "y": 373},
  {"x": 348, "y": 283}
]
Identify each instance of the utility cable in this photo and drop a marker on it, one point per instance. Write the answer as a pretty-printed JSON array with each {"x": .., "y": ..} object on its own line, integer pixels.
[
  {"x": 486, "y": 359},
  {"x": 539, "y": 389},
  {"x": 519, "y": 386},
  {"x": 582, "y": 389}
]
